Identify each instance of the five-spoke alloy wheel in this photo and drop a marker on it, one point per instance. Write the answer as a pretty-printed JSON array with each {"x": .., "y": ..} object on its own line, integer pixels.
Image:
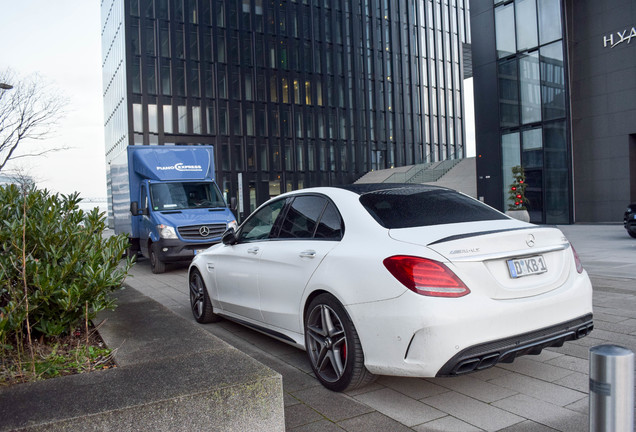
[
  {"x": 199, "y": 299},
  {"x": 333, "y": 346}
]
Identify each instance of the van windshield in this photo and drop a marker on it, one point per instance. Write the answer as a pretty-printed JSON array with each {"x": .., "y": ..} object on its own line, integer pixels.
[{"x": 185, "y": 195}]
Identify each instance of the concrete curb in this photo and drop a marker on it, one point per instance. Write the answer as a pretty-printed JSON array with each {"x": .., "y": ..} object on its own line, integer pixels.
[{"x": 171, "y": 375}]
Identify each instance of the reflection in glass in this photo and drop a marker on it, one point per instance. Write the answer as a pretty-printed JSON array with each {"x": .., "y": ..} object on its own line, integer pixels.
[
  {"x": 552, "y": 81},
  {"x": 526, "y": 18},
  {"x": 549, "y": 20},
  {"x": 557, "y": 205},
  {"x": 152, "y": 118},
  {"x": 530, "y": 88},
  {"x": 182, "y": 118},
  {"x": 167, "y": 119},
  {"x": 510, "y": 157},
  {"x": 505, "y": 30},
  {"x": 532, "y": 149}
]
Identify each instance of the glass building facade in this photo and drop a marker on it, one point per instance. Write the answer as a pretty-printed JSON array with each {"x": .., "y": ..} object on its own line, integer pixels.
[
  {"x": 532, "y": 125},
  {"x": 291, "y": 93}
]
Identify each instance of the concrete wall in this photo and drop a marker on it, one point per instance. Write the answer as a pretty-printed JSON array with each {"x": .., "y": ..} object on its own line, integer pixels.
[{"x": 603, "y": 106}]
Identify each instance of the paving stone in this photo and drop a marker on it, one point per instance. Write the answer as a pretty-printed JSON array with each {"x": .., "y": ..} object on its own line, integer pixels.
[
  {"x": 399, "y": 407},
  {"x": 472, "y": 411},
  {"x": 299, "y": 415},
  {"x": 554, "y": 416},
  {"x": 600, "y": 316},
  {"x": 491, "y": 373},
  {"x": 536, "y": 369},
  {"x": 416, "y": 388},
  {"x": 528, "y": 426},
  {"x": 549, "y": 392},
  {"x": 299, "y": 360},
  {"x": 546, "y": 356},
  {"x": 373, "y": 422},
  {"x": 333, "y": 406},
  {"x": 475, "y": 388},
  {"x": 290, "y": 400},
  {"x": 582, "y": 406},
  {"x": 366, "y": 389},
  {"x": 620, "y": 327},
  {"x": 319, "y": 426},
  {"x": 572, "y": 363},
  {"x": 576, "y": 381},
  {"x": 447, "y": 424}
]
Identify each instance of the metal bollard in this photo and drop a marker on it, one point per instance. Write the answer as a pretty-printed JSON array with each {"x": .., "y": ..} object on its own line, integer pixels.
[{"x": 611, "y": 389}]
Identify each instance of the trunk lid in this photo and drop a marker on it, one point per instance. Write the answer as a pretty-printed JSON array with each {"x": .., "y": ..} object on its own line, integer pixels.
[{"x": 501, "y": 259}]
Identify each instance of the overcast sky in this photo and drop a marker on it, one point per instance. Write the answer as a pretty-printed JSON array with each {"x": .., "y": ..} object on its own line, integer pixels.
[{"x": 61, "y": 41}]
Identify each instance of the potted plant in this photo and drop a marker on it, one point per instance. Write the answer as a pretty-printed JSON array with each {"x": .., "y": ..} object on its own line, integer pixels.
[{"x": 517, "y": 195}]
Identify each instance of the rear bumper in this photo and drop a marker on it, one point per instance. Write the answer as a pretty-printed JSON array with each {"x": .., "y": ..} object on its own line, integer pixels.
[
  {"x": 428, "y": 337},
  {"x": 505, "y": 350}
]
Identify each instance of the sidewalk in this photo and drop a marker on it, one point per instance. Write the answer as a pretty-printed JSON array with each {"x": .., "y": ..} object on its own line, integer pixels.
[{"x": 535, "y": 393}]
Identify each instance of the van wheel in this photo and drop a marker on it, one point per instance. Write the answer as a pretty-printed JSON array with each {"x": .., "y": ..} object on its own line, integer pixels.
[{"x": 156, "y": 264}]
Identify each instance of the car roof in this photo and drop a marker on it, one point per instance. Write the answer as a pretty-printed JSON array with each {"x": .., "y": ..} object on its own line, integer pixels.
[{"x": 399, "y": 188}]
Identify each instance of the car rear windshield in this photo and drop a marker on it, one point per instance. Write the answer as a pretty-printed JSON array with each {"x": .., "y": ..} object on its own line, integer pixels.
[{"x": 414, "y": 207}]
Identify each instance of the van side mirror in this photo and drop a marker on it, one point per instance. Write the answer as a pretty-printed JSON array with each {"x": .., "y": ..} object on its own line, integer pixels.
[
  {"x": 229, "y": 237},
  {"x": 136, "y": 211}
]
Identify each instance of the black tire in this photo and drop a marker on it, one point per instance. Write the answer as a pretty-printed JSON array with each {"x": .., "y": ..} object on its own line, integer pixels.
[
  {"x": 632, "y": 234},
  {"x": 157, "y": 266},
  {"x": 132, "y": 253},
  {"x": 333, "y": 346},
  {"x": 200, "y": 300}
]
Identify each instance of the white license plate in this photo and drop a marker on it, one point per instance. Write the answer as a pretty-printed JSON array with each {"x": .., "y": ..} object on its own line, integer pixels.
[{"x": 527, "y": 266}]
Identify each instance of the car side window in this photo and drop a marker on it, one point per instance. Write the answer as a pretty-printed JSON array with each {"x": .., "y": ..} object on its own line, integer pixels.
[
  {"x": 330, "y": 225},
  {"x": 260, "y": 224},
  {"x": 302, "y": 217}
]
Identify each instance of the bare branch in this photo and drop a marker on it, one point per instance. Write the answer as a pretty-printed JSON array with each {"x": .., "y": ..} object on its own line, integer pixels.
[{"x": 28, "y": 112}]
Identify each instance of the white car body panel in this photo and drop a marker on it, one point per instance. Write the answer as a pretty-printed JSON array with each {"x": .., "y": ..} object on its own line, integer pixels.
[{"x": 401, "y": 332}]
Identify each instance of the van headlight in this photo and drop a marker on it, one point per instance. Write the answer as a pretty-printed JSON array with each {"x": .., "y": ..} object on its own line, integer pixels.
[
  {"x": 166, "y": 232},
  {"x": 232, "y": 224}
]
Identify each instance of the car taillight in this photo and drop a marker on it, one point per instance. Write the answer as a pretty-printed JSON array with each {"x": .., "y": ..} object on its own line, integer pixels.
[
  {"x": 577, "y": 260},
  {"x": 426, "y": 277}
]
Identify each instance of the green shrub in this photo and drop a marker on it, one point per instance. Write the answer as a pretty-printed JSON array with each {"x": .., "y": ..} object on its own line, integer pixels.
[{"x": 56, "y": 266}]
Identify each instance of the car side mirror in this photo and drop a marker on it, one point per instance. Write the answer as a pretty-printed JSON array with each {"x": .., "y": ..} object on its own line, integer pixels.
[{"x": 229, "y": 237}]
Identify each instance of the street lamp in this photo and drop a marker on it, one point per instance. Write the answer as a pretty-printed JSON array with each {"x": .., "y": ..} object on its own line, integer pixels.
[{"x": 5, "y": 86}]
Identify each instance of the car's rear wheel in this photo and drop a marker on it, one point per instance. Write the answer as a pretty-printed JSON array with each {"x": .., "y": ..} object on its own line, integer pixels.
[
  {"x": 333, "y": 346},
  {"x": 200, "y": 300}
]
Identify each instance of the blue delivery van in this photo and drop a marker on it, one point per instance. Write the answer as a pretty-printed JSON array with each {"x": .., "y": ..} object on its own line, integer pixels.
[{"x": 166, "y": 199}]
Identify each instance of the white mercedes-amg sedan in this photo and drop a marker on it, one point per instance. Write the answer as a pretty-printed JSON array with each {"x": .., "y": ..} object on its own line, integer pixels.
[{"x": 409, "y": 280}]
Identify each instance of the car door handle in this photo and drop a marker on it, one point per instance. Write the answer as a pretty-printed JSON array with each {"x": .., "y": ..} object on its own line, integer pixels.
[
  {"x": 253, "y": 250},
  {"x": 308, "y": 254}
]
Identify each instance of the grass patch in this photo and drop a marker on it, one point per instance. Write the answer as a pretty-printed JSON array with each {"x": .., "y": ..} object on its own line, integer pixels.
[{"x": 80, "y": 352}]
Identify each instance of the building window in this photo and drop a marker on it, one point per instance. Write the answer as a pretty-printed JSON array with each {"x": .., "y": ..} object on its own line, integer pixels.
[
  {"x": 526, "y": 20},
  {"x": 549, "y": 20},
  {"x": 552, "y": 81},
  {"x": 167, "y": 119},
  {"x": 529, "y": 86},
  {"x": 505, "y": 30}
]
